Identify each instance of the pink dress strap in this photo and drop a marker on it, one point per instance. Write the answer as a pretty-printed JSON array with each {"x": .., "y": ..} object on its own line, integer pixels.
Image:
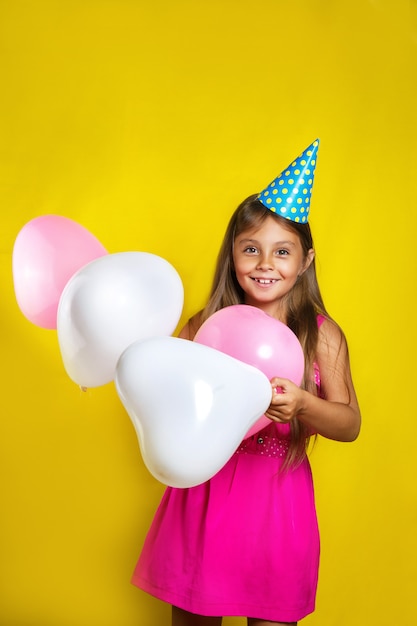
[{"x": 320, "y": 319}]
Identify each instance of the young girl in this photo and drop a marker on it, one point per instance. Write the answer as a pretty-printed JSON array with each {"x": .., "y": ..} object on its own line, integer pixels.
[{"x": 246, "y": 542}]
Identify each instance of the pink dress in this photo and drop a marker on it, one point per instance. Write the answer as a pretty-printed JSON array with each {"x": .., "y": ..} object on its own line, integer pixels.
[{"x": 245, "y": 543}]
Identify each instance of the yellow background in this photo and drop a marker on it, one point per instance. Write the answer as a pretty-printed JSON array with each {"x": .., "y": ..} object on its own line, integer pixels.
[{"x": 147, "y": 122}]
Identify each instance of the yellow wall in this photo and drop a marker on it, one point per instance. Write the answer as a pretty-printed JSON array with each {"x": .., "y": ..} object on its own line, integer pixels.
[{"x": 147, "y": 122}]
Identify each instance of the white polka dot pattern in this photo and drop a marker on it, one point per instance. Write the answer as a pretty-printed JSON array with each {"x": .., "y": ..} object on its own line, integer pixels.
[{"x": 289, "y": 194}]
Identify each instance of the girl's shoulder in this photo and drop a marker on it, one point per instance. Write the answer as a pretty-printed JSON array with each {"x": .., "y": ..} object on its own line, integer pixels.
[
  {"x": 320, "y": 319},
  {"x": 331, "y": 336},
  {"x": 191, "y": 327}
]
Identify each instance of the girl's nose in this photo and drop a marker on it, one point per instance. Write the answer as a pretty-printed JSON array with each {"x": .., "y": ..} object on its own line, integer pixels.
[{"x": 265, "y": 262}]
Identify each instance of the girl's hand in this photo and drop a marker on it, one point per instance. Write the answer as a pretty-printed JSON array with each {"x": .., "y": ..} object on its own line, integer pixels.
[{"x": 286, "y": 400}]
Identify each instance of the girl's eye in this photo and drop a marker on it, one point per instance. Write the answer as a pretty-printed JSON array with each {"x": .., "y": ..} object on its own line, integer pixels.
[
  {"x": 282, "y": 252},
  {"x": 250, "y": 250}
]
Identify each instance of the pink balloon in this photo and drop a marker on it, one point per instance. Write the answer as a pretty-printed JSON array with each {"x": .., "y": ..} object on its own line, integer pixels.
[
  {"x": 47, "y": 252},
  {"x": 254, "y": 337}
]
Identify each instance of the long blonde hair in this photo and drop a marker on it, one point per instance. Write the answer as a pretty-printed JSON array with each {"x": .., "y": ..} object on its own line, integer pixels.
[{"x": 303, "y": 303}]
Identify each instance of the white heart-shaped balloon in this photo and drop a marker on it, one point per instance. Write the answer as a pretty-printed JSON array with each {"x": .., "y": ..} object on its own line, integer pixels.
[
  {"x": 191, "y": 406},
  {"x": 110, "y": 303}
]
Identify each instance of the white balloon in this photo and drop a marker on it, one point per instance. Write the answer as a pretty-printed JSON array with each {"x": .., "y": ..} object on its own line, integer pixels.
[
  {"x": 191, "y": 406},
  {"x": 110, "y": 303}
]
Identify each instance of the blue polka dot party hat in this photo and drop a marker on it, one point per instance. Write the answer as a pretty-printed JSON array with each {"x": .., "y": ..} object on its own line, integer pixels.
[{"x": 289, "y": 193}]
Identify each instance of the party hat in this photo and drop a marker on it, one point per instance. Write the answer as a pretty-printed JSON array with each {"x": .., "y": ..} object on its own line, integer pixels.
[{"x": 289, "y": 194}]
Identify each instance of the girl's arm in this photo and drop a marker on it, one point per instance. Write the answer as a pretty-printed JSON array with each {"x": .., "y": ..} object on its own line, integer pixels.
[
  {"x": 190, "y": 329},
  {"x": 336, "y": 415},
  {"x": 185, "y": 332}
]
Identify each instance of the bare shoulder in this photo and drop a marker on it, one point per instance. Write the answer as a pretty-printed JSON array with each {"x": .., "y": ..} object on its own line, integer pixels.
[
  {"x": 334, "y": 365},
  {"x": 336, "y": 384},
  {"x": 191, "y": 327},
  {"x": 332, "y": 339}
]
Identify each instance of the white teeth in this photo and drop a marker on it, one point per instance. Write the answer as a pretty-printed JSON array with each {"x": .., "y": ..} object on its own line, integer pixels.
[{"x": 264, "y": 281}]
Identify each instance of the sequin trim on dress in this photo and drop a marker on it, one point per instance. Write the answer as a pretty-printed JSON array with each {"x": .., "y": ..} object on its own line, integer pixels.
[{"x": 264, "y": 445}]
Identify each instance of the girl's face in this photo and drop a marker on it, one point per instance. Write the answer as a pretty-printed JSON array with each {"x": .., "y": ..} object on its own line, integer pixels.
[{"x": 267, "y": 261}]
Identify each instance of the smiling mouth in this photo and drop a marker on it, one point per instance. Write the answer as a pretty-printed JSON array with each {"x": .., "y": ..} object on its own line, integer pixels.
[{"x": 265, "y": 281}]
